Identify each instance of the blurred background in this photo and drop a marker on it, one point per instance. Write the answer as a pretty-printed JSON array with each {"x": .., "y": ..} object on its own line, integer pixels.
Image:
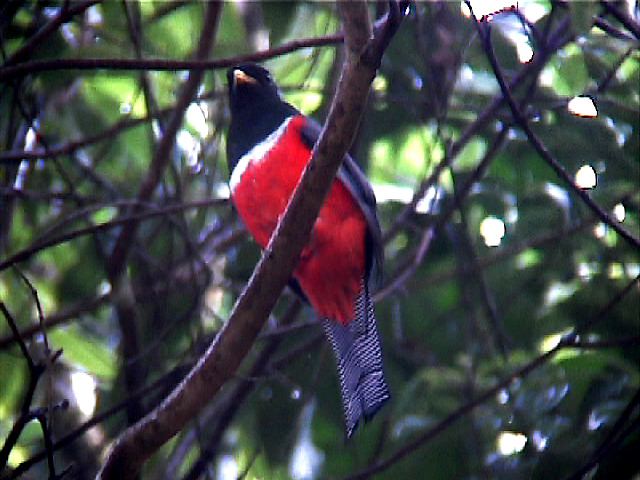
[{"x": 493, "y": 261}]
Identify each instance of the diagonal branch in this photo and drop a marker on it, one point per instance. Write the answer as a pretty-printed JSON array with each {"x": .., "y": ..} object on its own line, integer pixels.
[
  {"x": 28, "y": 252},
  {"x": 52, "y": 320},
  {"x": 27, "y": 412},
  {"x": 623, "y": 17},
  {"x": 67, "y": 12},
  {"x": 616, "y": 434},
  {"x": 163, "y": 152},
  {"x": 489, "y": 394},
  {"x": 555, "y": 40},
  {"x": 406, "y": 271},
  {"x": 484, "y": 31},
  {"x": 224, "y": 355}
]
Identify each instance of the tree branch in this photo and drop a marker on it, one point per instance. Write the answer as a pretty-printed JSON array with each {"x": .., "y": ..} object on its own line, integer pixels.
[
  {"x": 557, "y": 39},
  {"x": 567, "y": 342},
  {"x": 66, "y": 13},
  {"x": 224, "y": 355},
  {"x": 162, "y": 154},
  {"x": 56, "y": 319},
  {"x": 406, "y": 271},
  {"x": 236, "y": 397},
  {"x": 616, "y": 435},
  {"x": 168, "y": 378},
  {"x": 28, "y": 252},
  {"x": 484, "y": 30},
  {"x": 160, "y": 64},
  {"x": 623, "y": 17},
  {"x": 27, "y": 413}
]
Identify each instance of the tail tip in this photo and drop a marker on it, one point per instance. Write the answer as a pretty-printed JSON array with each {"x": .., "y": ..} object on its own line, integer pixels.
[{"x": 366, "y": 411}]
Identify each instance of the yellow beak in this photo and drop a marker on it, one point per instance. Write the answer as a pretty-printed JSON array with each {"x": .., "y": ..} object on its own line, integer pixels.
[{"x": 241, "y": 77}]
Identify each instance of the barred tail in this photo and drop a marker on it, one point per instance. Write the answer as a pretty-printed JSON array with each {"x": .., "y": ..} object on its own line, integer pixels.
[{"x": 357, "y": 350}]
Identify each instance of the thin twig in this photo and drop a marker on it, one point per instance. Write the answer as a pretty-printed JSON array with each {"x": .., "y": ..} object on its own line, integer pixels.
[
  {"x": 411, "y": 265},
  {"x": 36, "y": 370},
  {"x": 606, "y": 27},
  {"x": 55, "y": 319},
  {"x": 567, "y": 342},
  {"x": 623, "y": 17},
  {"x": 240, "y": 391},
  {"x": 484, "y": 30},
  {"x": 95, "y": 420},
  {"x": 16, "y": 156},
  {"x": 274, "y": 270},
  {"x": 28, "y": 252},
  {"x": 95, "y": 64},
  {"x": 67, "y": 12},
  {"x": 615, "y": 435},
  {"x": 41, "y": 320},
  {"x": 16, "y": 333},
  {"x": 557, "y": 39}
]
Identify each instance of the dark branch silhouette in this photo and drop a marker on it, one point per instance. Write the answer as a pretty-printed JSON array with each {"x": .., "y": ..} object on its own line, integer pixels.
[
  {"x": 148, "y": 64},
  {"x": 569, "y": 341},
  {"x": 484, "y": 31},
  {"x": 274, "y": 270}
]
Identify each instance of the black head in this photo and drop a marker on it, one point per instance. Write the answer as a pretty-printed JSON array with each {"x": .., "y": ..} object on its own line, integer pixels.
[
  {"x": 251, "y": 84},
  {"x": 256, "y": 108}
]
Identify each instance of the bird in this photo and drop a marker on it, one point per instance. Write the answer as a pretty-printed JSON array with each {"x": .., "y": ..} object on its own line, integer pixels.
[{"x": 269, "y": 143}]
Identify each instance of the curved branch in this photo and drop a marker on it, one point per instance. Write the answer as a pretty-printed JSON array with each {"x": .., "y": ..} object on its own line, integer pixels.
[
  {"x": 484, "y": 31},
  {"x": 28, "y": 252},
  {"x": 569, "y": 341},
  {"x": 160, "y": 64},
  {"x": 224, "y": 355},
  {"x": 66, "y": 13},
  {"x": 623, "y": 17}
]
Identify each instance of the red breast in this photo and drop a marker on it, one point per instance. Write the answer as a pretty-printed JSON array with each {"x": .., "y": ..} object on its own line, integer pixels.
[{"x": 332, "y": 265}]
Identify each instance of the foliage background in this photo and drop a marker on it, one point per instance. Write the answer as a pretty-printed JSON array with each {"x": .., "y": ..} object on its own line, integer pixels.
[{"x": 457, "y": 316}]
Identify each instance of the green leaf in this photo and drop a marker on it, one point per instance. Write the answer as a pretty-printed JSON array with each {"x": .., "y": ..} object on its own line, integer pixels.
[
  {"x": 583, "y": 15},
  {"x": 83, "y": 351}
]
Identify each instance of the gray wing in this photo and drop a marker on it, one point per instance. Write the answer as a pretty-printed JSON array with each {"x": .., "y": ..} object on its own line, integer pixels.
[{"x": 356, "y": 182}]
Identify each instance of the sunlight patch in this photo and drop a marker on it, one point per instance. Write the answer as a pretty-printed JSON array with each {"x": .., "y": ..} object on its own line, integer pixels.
[
  {"x": 307, "y": 458},
  {"x": 619, "y": 212},
  {"x": 492, "y": 230},
  {"x": 582, "y": 107},
  {"x": 510, "y": 443},
  {"x": 83, "y": 387},
  {"x": 227, "y": 468},
  {"x": 586, "y": 177}
]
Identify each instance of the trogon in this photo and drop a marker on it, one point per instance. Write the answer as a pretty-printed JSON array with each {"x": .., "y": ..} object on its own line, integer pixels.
[{"x": 268, "y": 146}]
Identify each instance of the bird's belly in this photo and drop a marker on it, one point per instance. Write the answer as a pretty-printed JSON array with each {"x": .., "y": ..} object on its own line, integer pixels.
[
  {"x": 332, "y": 265},
  {"x": 263, "y": 193}
]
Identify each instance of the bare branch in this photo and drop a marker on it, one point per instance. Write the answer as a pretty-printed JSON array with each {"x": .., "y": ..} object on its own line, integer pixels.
[
  {"x": 69, "y": 438},
  {"x": 623, "y": 17},
  {"x": 28, "y": 252},
  {"x": 41, "y": 320},
  {"x": 489, "y": 394},
  {"x": 66, "y": 13},
  {"x": 240, "y": 391},
  {"x": 55, "y": 319},
  {"x": 484, "y": 30},
  {"x": 274, "y": 270},
  {"x": 162, "y": 154},
  {"x": 411, "y": 265},
  {"x": 35, "y": 66},
  {"x": 616, "y": 434},
  {"x": 27, "y": 413}
]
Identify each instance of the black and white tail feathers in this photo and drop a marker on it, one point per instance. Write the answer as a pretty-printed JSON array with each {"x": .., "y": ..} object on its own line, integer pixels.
[{"x": 357, "y": 350}]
